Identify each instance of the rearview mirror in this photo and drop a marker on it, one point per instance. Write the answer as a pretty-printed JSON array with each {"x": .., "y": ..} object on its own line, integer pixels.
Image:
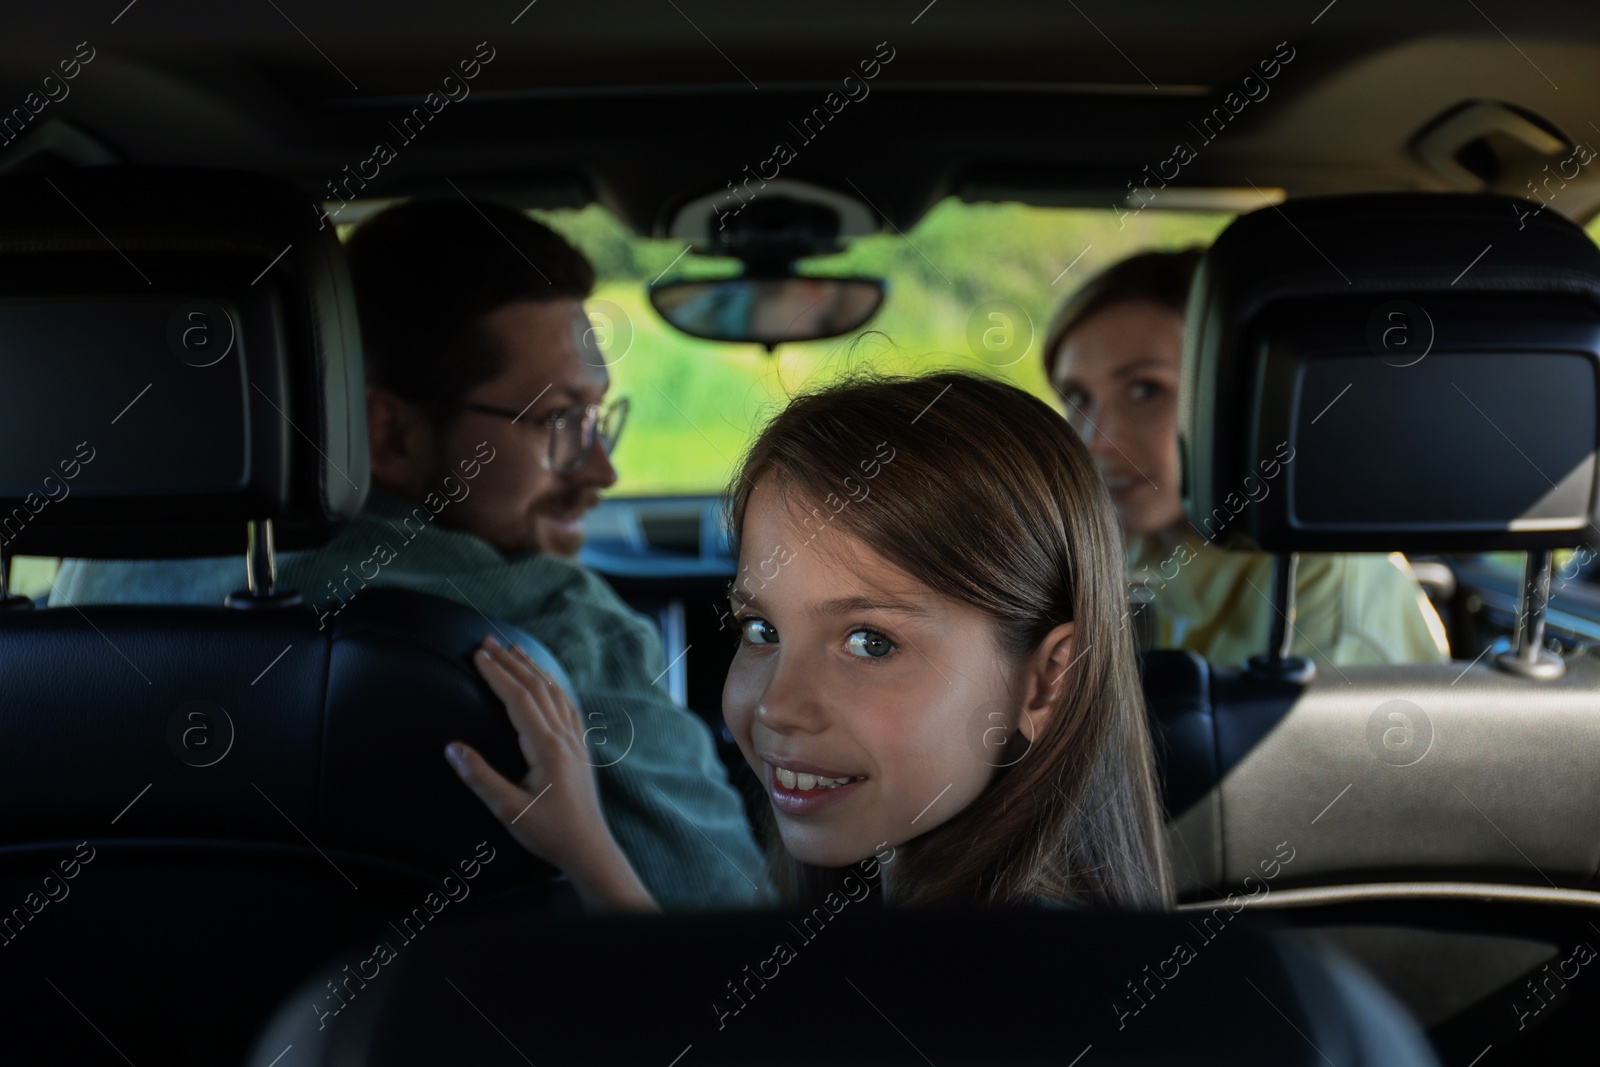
[{"x": 768, "y": 311}]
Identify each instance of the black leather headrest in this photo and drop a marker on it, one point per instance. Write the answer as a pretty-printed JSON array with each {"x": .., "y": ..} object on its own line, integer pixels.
[
  {"x": 1413, "y": 372},
  {"x": 180, "y": 354}
]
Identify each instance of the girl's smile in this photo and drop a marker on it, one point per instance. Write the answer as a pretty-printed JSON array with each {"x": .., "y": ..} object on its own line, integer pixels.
[{"x": 805, "y": 792}]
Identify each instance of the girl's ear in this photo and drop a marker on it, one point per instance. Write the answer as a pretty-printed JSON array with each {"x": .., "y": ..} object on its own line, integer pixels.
[{"x": 1045, "y": 678}]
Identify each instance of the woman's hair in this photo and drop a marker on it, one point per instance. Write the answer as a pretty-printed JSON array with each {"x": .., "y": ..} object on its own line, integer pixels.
[
  {"x": 1160, "y": 278},
  {"x": 990, "y": 499}
]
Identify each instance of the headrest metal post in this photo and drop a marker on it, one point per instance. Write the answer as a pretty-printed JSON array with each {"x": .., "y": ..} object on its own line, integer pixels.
[
  {"x": 1277, "y": 662},
  {"x": 1529, "y": 657},
  {"x": 1288, "y": 566},
  {"x": 261, "y": 572},
  {"x": 261, "y": 561}
]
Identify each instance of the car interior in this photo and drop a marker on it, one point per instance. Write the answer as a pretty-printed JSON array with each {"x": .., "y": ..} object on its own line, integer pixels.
[{"x": 773, "y": 195}]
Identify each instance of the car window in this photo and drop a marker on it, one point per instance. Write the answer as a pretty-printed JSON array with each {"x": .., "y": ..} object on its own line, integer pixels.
[
  {"x": 31, "y": 575},
  {"x": 970, "y": 286}
]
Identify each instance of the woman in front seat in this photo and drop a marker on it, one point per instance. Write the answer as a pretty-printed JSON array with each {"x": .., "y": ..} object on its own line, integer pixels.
[
  {"x": 1113, "y": 353},
  {"x": 932, "y": 678}
]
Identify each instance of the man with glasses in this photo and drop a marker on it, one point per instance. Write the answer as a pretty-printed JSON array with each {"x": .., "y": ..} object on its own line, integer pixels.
[
  {"x": 475, "y": 337},
  {"x": 490, "y": 435}
]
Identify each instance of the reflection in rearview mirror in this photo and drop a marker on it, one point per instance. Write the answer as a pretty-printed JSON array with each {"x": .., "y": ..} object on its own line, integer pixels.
[{"x": 768, "y": 311}]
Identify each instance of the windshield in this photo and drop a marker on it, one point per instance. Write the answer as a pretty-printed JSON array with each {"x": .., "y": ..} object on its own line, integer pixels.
[{"x": 970, "y": 286}]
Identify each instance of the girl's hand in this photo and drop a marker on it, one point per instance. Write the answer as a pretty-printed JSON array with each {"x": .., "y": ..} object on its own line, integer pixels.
[{"x": 554, "y": 812}]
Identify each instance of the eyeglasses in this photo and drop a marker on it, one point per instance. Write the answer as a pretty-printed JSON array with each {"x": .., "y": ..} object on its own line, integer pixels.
[{"x": 574, "y": 430}]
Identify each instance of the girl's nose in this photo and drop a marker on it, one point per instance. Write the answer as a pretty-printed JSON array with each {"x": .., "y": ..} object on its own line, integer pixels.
[{"x": 791, "y": 701}]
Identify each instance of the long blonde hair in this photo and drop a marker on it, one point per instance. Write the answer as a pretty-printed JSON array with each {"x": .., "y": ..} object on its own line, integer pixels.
[{"x": 992, "y": 500}]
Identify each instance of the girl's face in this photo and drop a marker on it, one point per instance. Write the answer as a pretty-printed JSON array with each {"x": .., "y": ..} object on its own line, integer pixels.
[
  {"x": 1117, "y": 372},
  {"x": 861, "y": 699}
]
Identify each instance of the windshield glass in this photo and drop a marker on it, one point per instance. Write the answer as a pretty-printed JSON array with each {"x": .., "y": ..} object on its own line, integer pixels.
[{"x": 970, "y": 286}]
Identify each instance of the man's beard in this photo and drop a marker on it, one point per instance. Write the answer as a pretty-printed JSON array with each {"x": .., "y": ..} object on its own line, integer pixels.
[
  {"x": 536, "y": 532},
  {"x": 547, "y": 535}
]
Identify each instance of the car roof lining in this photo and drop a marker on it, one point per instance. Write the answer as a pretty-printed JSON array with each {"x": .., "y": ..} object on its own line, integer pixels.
[{"x": 1061, "y": 95}]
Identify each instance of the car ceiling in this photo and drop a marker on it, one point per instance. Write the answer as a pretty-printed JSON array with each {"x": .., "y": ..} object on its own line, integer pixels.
[{"x": 646, "y": 105}]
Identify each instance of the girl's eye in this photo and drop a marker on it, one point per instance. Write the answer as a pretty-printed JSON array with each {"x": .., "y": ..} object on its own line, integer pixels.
[
  {"x": 757, "y": 631},
  {"x": 868, "y": 644},
  {"x": 1144, "y": 390},
  {"x": 1076, "y": 398}
]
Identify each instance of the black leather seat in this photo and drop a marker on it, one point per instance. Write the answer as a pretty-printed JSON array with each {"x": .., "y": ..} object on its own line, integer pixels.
[
  {"x": 201, "y": 802},
  {"x": 1021, "y": 986},
  {"x": 1416, "y": 799}
]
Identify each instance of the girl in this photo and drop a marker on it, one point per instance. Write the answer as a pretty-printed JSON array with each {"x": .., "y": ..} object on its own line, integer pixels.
[{"x": 931, "y": 669}]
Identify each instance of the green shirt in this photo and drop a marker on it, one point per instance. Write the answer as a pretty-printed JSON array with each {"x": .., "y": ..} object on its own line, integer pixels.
[
  {"x": 668, "y": 801},
  {"x": 1349, "y": 608}
]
